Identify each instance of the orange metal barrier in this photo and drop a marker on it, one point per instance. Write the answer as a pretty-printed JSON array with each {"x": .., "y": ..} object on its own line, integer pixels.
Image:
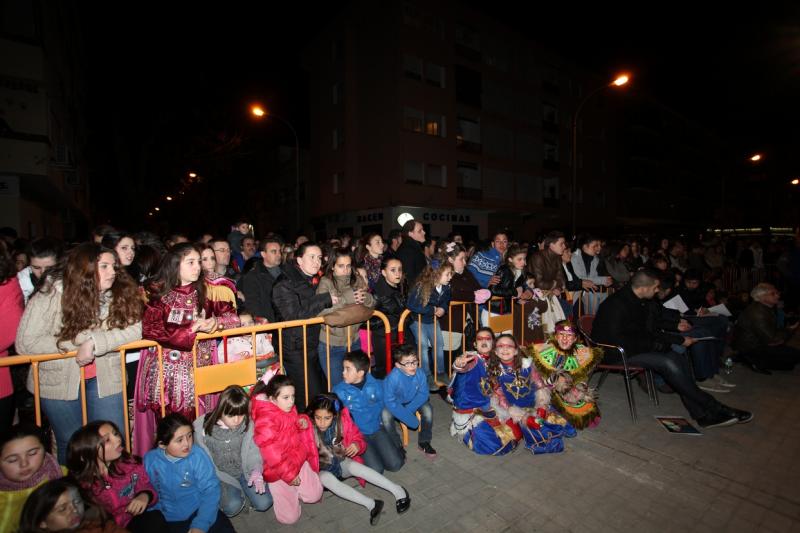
[
  {"x": 36, "y": 360},
  {"x": 593, "y": 300}
]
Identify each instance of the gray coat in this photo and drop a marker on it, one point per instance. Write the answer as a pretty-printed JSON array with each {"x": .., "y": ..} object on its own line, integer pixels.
[{"x": 251, "y": 455}]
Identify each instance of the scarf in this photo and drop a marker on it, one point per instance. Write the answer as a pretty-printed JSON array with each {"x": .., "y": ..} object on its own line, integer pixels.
[{"x": 48, "y": 471}]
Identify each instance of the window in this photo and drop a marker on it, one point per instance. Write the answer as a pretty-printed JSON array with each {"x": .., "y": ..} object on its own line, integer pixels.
[
  {"x": 434, "y": 74},
  {"x": 499, "y": 141},
  {"x": 469, "y": 175},
  {"x": 435, "y": 125},
  {"x": 469, "y": 37},
  {"x": 337, "y": 182},
  {"x": 549, "y": 113},
  {"x": 412, "y": 119},
  {"x": 468, "y": 86},
  {"x": 550, "y": 192},
  {"x": 337, "y": 138},
  {"x": 436, "y": 175},
  {"x": 412, "y": 16},
  {"x": 336, "y": 93},
  {"x": 412, "y": 67},
  {"x": 468, "y": 134},
  {"x": 550, "y": 151},
  {"x": 414, "y": 172}
]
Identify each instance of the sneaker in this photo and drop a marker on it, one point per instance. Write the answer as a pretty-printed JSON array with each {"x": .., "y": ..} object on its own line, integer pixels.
[
  {"x": 427, "y": 449},
  {"x": 719, "y": 380},
  {"x": 721, "y": 419},
  {"x": 742, "y": 417},
  {"x": 710, "y": 386}
]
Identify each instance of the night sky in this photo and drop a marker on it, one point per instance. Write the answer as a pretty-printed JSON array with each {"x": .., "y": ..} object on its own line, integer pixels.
[{"x": 169, "y": 85}]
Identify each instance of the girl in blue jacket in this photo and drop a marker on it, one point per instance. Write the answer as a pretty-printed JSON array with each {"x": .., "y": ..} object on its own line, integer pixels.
[
  {"x": 185, "y": 479},
  {"x": 428, "y": 300}
]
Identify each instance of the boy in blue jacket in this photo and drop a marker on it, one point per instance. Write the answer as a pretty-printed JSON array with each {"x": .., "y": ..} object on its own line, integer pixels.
[
  {"x": 362, "y": 394},
  {"x": 405, "y": 393}
]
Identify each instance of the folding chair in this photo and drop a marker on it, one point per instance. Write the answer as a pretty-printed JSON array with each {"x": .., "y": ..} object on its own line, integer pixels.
[{"x": 628, "y": 371}]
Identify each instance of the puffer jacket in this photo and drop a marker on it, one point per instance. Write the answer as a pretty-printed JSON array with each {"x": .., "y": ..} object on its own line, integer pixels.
[
  {"x": 284, "y": 445},
  {"x": 391, "y": 302},
  {"x": 294, "y": 298},
  {"x": 365, "y": 404}
]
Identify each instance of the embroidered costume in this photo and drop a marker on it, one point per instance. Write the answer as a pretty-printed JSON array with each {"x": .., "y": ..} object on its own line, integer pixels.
[{"x": 566, "y": 366}]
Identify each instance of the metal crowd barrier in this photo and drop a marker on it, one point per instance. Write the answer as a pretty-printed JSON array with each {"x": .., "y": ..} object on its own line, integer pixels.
[{"x": 242, "y": 374}]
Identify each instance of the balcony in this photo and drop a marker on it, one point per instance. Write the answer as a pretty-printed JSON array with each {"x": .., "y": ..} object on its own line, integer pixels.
[{"x": 468, "y": 146}]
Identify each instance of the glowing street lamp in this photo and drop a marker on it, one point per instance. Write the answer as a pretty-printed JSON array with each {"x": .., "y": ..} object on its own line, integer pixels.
[
  {"x": 755, "y": 158},
  {"x": 795, "y": 181},
  {"x": 259, "y": 112},
  {"x": 619, "y": 81},
  {"x": 169, "y": 198},
  {"x": 192, "y": 175}
]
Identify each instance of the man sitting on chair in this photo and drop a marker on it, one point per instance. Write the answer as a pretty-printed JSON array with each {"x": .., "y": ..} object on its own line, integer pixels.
[{"x": 622, "y": 320}]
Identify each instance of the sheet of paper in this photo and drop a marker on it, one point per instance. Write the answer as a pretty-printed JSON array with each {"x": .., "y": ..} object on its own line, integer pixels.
[
  {"x": 676, "y": 303},
  {"x": 720, "y": 309}
]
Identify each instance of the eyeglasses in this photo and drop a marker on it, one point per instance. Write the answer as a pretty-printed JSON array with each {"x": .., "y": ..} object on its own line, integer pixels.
[{"x": 409, "y": 364}]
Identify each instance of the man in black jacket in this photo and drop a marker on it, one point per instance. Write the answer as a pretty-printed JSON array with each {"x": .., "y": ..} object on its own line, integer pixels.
[
  {"x": 257, "y": 284},
  {"x": 623, "y": 319},
  {"x": 410, "y": 252}
]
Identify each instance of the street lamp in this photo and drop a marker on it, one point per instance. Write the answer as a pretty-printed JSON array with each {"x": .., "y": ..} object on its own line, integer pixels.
[
  {"x": 755, "y": 158},
  {"x": 795, "y": 181},
  {"x": 260, "y": 112},
  {"x": 619, "y": 81}
]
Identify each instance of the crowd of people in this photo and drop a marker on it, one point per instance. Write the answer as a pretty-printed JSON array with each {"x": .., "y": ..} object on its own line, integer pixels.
[{"x": 334, "y": 410}]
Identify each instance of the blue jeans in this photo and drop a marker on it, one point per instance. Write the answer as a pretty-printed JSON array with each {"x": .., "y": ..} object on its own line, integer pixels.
[
  {"x": 337, "y": 360},
  {"x": 429, "y": 333},
  {"x": 233, "y": 499},
  {"x": 65, "y": 415},
  {"x": 383, "y": 453},
  {"x": 425, "y": 426}
]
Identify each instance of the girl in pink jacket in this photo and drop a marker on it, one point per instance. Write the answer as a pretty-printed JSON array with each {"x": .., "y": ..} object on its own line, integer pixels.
[{"x": 116, "y": 480}]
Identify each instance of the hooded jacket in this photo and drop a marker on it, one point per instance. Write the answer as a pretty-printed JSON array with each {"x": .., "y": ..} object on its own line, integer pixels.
[
  {"x": 114, "y": 493},
  {"x": 364, "y": 404},
  {"x": 283, "y": 444}
]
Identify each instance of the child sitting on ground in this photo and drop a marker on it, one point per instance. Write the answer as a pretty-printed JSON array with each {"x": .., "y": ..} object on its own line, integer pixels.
[
  {"x": 405, "y": 393},
  {"x": 469, "y": 388},
  {"x": 363, "y": 396},
  {"x": 340, "y": 446}
]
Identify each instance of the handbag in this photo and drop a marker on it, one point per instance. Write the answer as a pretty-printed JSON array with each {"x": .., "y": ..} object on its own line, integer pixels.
[
  {"x": 347, "y": 315},
  {"x": 553, "y": 315}
]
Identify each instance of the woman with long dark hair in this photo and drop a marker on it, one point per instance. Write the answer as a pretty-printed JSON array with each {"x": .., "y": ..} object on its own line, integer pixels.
[
  {"x": 91, "y": 305},
  {"x": 294, "y": 298},
  {"x": 180, "y": 305}
]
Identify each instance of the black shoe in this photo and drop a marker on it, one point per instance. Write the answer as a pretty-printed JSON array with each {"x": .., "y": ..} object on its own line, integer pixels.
[
  {"x": 742, "y": 417},
  {"x": 665, "y": 389},
  {"x": 755, "y": 368},
  {"x": 427, "y": 449},
  {"x": 375, "y": 513},
  {"x": 721, "y": 419},
  {"x": 403, "y": 503}
]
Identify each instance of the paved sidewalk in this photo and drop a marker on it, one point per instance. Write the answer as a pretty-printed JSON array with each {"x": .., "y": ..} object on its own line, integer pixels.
[{"x": 617, "y": 477}]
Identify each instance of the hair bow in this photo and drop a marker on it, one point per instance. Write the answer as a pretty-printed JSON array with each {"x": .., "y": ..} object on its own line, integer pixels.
[{"x": 449, "y": 247}]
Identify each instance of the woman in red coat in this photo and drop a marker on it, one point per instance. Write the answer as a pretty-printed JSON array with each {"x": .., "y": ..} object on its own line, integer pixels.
[
  {"x": 11, "y": 308},
  {"x": 287, "y": 448},
  {"x": 340, "y": 444}
]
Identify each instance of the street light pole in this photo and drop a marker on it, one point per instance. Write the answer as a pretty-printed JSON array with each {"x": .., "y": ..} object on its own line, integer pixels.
[
  {"x": 618, "y": 82},
  {"x": 260, "y": 112}
]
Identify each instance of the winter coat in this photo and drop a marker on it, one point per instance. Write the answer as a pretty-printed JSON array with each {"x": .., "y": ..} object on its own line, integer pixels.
[
  {"x": 391, "y": 302},
  {"x": 509, "y": 282},
  {"x": 623, "y": 320},
  {"x": 403, "y": 395},
  {"x": 60, "y": 380},
  {"x": 437, "y": 299},
  {"x": 284, "y": 446},
  {"x": 251, "y": 456},
  {"x": 114, "y": 493},
  {"x": 592, "y": 273},
  {"x": 365, "y": 404},
  {"x": 462, "y": 289},
  {"x": 547, "y": 270},
  {"x": 294, "y": 298},
  {"x": 350, "y": 435},
  {"x": 338, "y": 336},
  {"x": 412, "y": 257},
  {"x": 11, "y": 309},
  {"x": 176, "y": 502},
  {"x": 256, "y": 286}
]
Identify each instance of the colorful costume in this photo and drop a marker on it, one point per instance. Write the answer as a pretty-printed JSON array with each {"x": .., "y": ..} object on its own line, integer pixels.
[
  {"x": 523, "y": 396},
  {"x": 470, "y": 393},
  {"x": 567, "y": 373}
]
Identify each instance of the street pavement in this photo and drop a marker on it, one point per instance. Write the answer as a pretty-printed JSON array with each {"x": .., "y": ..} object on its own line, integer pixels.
[{"x": 619, "y": 476}]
